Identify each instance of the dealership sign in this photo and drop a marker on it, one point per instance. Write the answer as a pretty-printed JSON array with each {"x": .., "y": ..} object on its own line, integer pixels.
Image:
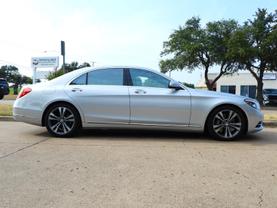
[
  {"x": 45, "y": 62},
  {"x": 269, "y": 76}
]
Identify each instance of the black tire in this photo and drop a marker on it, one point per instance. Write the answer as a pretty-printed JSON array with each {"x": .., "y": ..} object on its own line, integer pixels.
[
  {"x": 1, "y": 97},
  {"x": 226, "y": 129},
  {"x": 66, "y": 127}
]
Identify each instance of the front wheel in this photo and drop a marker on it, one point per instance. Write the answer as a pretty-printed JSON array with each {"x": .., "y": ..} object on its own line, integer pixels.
[
  {"x": 226, "y": 123},
  {"x": 62, "y": 120}
]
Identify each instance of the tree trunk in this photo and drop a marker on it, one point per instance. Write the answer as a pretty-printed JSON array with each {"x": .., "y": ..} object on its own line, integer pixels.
[
  {"x": 209, "y": 85},
  {"x": 207, "y": 81},
  {"x": 260, "y": 84}
]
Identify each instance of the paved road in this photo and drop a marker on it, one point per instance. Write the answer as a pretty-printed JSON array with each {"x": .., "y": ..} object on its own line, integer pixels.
[{"x": 108, "y": 168}]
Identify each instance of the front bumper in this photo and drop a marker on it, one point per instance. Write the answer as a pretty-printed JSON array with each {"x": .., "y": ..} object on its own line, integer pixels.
[{"x": 255, "y": 120}]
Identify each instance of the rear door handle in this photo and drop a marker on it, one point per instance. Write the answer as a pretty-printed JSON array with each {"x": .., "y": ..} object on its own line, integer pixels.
[
  {"x": 76, "y": 90},
  {"x": 140, "y": 91}
]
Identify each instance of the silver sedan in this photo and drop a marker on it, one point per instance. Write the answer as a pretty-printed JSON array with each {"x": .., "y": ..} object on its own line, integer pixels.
[{"x": 133, "y": 97}]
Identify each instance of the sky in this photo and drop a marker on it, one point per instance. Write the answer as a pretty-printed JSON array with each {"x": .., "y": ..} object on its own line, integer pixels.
[{"x": 107, "y": 32}]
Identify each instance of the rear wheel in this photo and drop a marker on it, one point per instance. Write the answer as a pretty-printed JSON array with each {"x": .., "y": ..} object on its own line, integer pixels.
[
  {"x": 62, "y": 120},
  {"x": 1, "y": 97},
  {"x": 226, "y": 123}
]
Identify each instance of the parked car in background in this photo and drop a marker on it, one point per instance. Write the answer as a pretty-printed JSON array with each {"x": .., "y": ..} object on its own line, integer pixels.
[
  {"x": 271, "y": 94},
  {"x": 266, "y": 100},
  {"x": 132, "y": 97},
  {"x": 4, "y": 88}
]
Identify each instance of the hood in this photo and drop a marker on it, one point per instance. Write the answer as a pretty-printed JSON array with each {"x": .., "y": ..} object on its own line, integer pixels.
[{"x": 207, "y": 93}]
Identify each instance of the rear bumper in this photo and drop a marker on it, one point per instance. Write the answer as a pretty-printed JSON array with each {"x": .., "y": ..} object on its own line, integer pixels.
[{"x": 27, "y": 115}]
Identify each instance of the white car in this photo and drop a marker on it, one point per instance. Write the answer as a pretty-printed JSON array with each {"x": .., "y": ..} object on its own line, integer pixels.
[{"x": 133, "y": 97}]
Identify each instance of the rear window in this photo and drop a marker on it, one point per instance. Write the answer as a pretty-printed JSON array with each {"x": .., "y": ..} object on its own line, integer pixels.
[{"x": 81, "y": 80}]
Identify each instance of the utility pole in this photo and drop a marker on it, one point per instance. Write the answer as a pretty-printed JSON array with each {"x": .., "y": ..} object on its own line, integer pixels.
[
  {"x": 34, "y": 75},
  {"x": 63, "y": 54}
]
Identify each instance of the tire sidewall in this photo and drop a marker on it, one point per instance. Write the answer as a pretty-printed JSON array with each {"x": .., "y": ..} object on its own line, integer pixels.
[
  {"x": 77, "y": 124},
  {"x": 210, "y": 120}
]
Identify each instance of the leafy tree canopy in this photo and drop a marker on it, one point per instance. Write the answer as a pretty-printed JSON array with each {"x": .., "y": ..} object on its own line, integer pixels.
[
  {"x": 193, "y": 46},
  {"x": 68, "y": 68},
  {"x": 254, "y": 46},
  {"x": 12, "y": 75}
]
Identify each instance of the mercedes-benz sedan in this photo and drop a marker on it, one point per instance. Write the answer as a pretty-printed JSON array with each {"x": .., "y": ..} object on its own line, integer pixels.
[{"x": 132, "y": 97}]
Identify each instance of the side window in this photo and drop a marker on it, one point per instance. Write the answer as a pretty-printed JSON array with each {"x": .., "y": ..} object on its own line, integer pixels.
[
  {"x": 106, "y": 77},
  {"x": 145, "y": 78},
  {"x": 81, "y": 80}
]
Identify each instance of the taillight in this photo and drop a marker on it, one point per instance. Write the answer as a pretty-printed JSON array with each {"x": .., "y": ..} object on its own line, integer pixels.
[{"x": 24, "y": 92}]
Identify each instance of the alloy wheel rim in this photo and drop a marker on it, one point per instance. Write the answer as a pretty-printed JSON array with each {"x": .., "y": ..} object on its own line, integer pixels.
[
  {"x": 227, "y": 124},
  {"x": 61, "y": 120}
]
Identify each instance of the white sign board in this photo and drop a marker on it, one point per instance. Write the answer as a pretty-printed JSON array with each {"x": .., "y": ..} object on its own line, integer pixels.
[
  {"x": 269, "y": 76},
  {"x": 45, "y": 62}
]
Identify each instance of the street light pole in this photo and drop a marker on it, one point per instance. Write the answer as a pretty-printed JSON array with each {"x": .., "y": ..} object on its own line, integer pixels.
[
  {"x": 63, "y": 54},
  {"x": 34, "y": 75}
]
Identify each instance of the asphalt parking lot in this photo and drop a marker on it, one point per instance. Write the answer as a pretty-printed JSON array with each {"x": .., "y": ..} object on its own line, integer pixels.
[{"x": 112, "y": 168}]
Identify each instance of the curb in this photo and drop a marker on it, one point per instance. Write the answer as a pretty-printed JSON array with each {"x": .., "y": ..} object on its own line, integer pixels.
[
  {"x": 270, "y": 123},
  {"x": 266, "y": 123},
  {"x": 6, "y": 118}
]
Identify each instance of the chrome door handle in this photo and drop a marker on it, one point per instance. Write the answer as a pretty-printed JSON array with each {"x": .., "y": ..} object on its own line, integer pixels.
[
  {"x": 140, "y": 91},
  {"x": 76, "y": 90}
]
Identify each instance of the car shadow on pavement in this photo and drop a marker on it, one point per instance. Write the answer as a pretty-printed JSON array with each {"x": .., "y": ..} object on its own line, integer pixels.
[
  {"x": 262, "y": 138},
  {"x": 127, "y": 134},
  {"x": 114, "y": 134}
]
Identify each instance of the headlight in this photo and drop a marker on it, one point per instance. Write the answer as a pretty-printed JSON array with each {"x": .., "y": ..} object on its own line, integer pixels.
[{"x": 252, "y": 103}]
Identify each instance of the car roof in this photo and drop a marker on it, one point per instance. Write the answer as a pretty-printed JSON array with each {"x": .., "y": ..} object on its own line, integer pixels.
[{"x": 68, "y": 77}]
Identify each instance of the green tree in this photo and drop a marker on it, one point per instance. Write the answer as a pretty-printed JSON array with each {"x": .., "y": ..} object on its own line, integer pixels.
[
  {"x": 219, "y": 34},
  {"x": 55, "y": 74},
  {"x": 254, "y": 46},
  {"x": 26, "y": 80},
  {"x": 71, "y": 67},
  {"x": 68, "y": 68},
  {"x": 83, "y": 65},
  {"x": 9, "y": 72},
  {"x": 192, "y": 47}
]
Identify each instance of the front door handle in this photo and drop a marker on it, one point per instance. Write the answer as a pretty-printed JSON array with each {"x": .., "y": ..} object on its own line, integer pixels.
[
  {"x": 76, "y": 90},
  {"x": 140, "y": 91}
]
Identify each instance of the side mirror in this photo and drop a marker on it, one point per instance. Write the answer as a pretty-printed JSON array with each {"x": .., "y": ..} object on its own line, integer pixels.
[{"x": 174, "y": 85}]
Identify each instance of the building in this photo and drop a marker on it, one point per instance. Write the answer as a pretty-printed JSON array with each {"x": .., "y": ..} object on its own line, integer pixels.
[{"x": 241, "y": 83}]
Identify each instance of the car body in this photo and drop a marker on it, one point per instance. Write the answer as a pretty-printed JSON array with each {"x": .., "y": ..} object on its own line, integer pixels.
[
  {"x": 271, "y": 95},
  {"x": 133, "y": 97},
  {"x": 4, "y": 88}
]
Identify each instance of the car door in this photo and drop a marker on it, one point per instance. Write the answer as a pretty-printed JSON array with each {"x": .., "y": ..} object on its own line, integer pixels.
[
  {"x": 102, "y": 96},
  {"x": 153, "y": 102}
]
